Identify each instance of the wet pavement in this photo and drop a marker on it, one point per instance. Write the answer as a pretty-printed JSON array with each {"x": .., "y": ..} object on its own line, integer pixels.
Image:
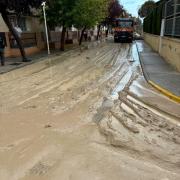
[
  {"x": 87, "y": 114},
  {"x": 157, "y": 70}
]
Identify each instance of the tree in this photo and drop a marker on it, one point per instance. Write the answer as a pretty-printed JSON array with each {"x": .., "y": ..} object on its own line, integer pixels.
[
  {"x": 60, "y": 13},
  {"x": 115, "y": 10},
  {"x": 19, "y": 7},
  {"x": 87, "y": 14},
  {"x": 146, "y": 8}
]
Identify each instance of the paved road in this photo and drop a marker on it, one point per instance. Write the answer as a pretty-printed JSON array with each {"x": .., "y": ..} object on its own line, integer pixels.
[{"x": 87, "y": 114}]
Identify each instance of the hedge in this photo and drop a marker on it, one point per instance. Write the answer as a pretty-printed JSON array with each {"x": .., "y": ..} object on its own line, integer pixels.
[{"x": 152, "y": 23}]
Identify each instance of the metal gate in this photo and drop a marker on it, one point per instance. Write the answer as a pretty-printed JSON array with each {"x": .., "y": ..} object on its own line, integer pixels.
[{"x": 172, "y": 18}]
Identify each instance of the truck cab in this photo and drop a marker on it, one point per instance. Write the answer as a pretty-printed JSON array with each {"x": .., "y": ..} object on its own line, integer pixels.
[{"x": 123, "y": 29}]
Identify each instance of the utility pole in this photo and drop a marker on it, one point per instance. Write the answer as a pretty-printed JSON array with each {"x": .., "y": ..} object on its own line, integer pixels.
[{"x": 45, "y": 23}]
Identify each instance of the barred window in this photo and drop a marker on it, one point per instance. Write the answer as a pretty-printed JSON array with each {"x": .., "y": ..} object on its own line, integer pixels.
[
  {"x": 170, "y": 8},
  {"x": 178, "y": 7},
  {"x": 177, "y": 27},
  {"x": 172, "y": 26},
  {"x": 169, "y": 27},
  {"x": 22, "y": 23}
]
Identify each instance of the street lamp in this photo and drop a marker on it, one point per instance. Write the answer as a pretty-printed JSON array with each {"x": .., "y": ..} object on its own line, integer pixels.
[{"x": 45, "y": 23}]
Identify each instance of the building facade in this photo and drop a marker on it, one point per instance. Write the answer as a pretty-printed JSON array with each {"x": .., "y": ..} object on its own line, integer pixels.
[{"x": 30, "y": 30}]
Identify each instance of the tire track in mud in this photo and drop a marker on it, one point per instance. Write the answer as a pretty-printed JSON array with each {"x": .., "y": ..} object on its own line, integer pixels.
[
  {"x": 75, "y": 78},
  {"x": 58, "y": 60},
  {"x": 44, "y": 83},
  {"x": 85, "y": 75},
  {"x": 109, "y": 55},
  {"x": 46, "y": 80},
  {"x": 131, "y": 129},
  {"x": 129, "y": 126}
]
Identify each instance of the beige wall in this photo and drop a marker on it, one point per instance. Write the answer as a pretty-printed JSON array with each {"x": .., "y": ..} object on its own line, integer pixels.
[
  {"x": 14, "y": 52},
  {"x": 32, "y": 23},
  {"x": 34, "y": 26},
  {"x": 3, "y": 27},
  {"x": 152, "y": 40},
  {"x": 169, "y": 49}
]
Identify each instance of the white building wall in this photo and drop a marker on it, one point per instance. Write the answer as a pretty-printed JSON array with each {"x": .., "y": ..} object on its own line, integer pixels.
[{"x": 3, "y": 27}]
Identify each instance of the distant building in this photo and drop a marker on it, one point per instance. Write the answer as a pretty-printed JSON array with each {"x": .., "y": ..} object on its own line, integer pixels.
[
  {"x": 30, "y": 30},
  {"x": 26, "y": 23}
]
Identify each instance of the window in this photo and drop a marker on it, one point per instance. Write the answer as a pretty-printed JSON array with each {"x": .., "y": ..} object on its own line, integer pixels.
[
  {"x": 22, "y": 23},
  {"x": 13, "y": 20},
  {"x": 18, "y": 21}
]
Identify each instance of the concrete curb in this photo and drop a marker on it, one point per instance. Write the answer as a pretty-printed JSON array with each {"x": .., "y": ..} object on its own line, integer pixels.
[
  {"x": 142, "y": 65},
  {"x": 167, "y": 93}
]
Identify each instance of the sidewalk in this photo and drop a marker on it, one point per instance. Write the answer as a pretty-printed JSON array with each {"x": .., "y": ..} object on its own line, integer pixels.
[
  {"x": 15, "y": 63},
  {"x": 158, "y": 72}
]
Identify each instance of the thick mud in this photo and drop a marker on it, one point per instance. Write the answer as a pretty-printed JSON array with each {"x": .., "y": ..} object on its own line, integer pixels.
[{"x": 87, "y": 114}]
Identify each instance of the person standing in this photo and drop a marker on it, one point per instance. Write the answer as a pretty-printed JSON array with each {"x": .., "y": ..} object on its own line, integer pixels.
[{"x": 2, "y": 46}]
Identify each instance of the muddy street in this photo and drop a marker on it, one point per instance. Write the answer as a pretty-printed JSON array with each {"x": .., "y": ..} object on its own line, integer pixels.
[{"x": 87, "y": 114}]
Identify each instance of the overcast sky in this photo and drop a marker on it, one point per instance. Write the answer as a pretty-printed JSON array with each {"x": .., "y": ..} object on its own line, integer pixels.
[{"x": 132, "y": 6}]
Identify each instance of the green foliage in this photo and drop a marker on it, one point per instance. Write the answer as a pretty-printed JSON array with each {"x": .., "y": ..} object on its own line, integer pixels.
[
  {"x": 152, "y": 23},
  {"x": 159, "y": 18},
  {"x": 154, "y": 20},
  {"x": 147, "y": 8},
  {"x": 88, "y": 13},
  {"x": 79, "y": 13},
  {"x": 60, "y": 12}
]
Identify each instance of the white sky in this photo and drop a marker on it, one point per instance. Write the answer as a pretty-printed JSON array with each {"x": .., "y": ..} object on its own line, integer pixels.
[{"x": 132, "y": 6}]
